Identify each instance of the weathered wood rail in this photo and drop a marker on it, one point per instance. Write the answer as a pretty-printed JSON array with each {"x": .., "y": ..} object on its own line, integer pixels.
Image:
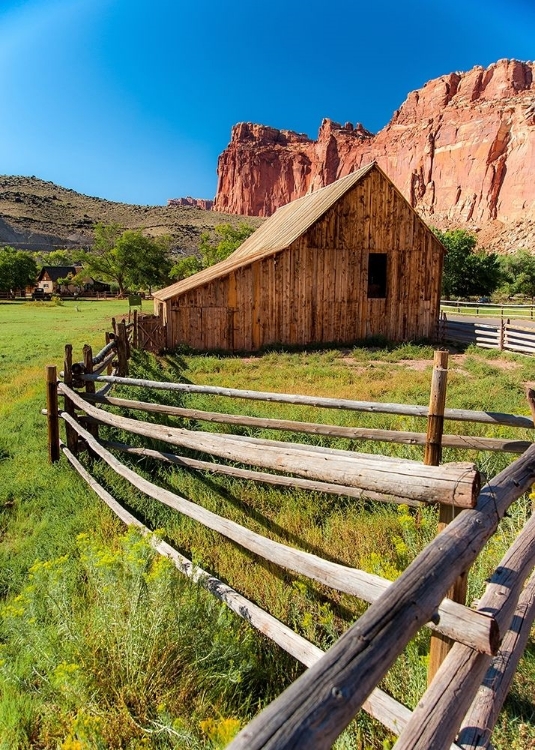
[
  {"x": 503, "y": 336},
  {"x": 463, "y": 699}
]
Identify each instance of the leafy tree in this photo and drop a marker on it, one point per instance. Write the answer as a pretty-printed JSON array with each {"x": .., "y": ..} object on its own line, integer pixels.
[
  {"x": 518, "y": 273},
  {"x": 186, "y": 266},
  {"x": 212, "y": 249},
  {"x": 467, "y": 272},
  {"x": 128, "y": 258},
  {"x": 146, "y": 258},
  {"x": 17, "y": 269},
  {"x": 55, "y": 258},
  {"x": 228, "y": 239}
]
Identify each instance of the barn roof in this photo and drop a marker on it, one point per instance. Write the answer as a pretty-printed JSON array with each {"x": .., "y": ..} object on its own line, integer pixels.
[{"x": 277, "y": 233}]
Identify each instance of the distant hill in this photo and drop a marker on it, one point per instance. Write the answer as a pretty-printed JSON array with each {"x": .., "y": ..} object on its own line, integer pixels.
[{"x": 39, "y": 215}]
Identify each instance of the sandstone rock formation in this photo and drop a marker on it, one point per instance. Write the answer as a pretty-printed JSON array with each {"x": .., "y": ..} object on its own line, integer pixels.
[
  {"x": 203, "y": 203},
  {"x": 461, "y": 150}
]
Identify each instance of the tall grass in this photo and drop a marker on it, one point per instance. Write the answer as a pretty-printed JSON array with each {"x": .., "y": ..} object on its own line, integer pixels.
[{"x": 103, "y": 645}]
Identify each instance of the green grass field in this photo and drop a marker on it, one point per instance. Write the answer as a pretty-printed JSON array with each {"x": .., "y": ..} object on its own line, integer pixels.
[{"x": 103, "y": 645}]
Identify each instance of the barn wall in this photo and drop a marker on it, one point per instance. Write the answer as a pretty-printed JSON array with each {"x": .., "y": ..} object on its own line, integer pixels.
[{"x": 317, "y": 289}]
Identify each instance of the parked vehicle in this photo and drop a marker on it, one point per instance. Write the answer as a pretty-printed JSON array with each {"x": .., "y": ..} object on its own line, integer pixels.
[{"x": 40, "y": 294}]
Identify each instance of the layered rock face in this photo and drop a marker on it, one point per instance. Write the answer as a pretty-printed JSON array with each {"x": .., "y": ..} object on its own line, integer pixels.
[
  {"x": 202, "y": 203},
  {"x": 461, "y": 150}
]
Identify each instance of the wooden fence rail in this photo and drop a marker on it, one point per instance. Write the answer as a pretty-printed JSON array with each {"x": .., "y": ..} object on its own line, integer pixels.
[
  {"x": 503, "y": 336},
  {"x": 316, "y": 708},
  {"x": 488, "y": 309}
]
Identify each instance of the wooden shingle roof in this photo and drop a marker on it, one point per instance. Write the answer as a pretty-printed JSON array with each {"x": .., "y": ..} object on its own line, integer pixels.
[{"x": 277, "y": 233}]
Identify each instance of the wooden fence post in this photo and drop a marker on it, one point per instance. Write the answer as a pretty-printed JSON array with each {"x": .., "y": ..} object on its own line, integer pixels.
[
  {"x": 72, "y": 437},
  {"x": 52, "y": 413},
  {"x": 440, "y": 645},
  {"x": 89, "y": 384},
  {"x": 109, "y": 337},
  {"x": 122, "y": 349},
  {"x": 135, "y": 331},
  {"x": 437, "y": 404},
  {"x": 501, "y": 332}
]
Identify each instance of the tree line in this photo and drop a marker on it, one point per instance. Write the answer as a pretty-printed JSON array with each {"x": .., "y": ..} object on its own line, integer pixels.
[
  {"x": 129, "y": 259},
  {"x": 133, "y": 261}
]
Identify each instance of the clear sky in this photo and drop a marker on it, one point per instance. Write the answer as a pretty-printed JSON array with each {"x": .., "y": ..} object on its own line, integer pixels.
[{"x": 133, "y": 100}]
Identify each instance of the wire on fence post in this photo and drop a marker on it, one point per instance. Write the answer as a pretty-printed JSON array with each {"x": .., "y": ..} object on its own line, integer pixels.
[
  {"x": 72, "y": 437},
  {"x": 52, "y": 413}
]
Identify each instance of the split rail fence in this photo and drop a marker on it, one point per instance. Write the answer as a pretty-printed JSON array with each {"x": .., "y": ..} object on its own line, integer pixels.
[{"x": 470, "y": 679}]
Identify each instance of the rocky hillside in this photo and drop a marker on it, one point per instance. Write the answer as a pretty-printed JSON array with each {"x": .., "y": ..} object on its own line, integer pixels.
[
  {"x": 39, "y": 215},
  {"x": 461, "y": 149}
]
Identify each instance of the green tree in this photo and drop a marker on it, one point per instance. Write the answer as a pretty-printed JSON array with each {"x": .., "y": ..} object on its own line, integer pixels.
[
  {"x": 146, "y": 258},
  {"x": 212, "y": 249},
  {"x": 55, "y": 258},
  {"x": 467, "y": 272},
  {"x": 518, "y": 273},
  {"x": 227, "y": 239},
  {"x": 186, "y": 266},
  {"x": 17, "y": 269},
  {"x": 128, "y": 258}
]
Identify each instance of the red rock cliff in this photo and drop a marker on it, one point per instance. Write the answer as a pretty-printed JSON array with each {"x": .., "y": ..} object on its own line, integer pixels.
[{"x": 461, "y": 149}]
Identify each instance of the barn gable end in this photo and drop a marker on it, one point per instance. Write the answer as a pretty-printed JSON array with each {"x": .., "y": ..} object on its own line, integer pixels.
[{"x": 356, "y": 262}]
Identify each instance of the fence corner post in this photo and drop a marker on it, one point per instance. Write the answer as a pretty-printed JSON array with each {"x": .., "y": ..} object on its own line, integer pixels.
[{"x": 52, "y": 413}]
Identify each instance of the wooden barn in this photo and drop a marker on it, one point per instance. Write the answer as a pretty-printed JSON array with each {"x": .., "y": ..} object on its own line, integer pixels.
[{"x": 349, "y": 261}]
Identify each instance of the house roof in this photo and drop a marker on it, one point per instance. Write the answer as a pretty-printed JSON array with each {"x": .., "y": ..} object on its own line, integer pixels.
[
  {"x": 277, "y": 233},
  {"x": 57, "y": 272}
]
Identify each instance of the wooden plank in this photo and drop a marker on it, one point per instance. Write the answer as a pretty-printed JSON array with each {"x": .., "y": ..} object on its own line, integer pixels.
[
  {"x": 356, "y": 433},
  {"x": 457, "y": 621},
  {"x": 379, "y": 705},
  {"x": 461, "y": 415},
  {"x": 456, "y": 484},
  {"x": 520, "y": 348},
  {"x": 521, "y": 334},
  {"x": 436, "y": 719},
  {"x": 477, "y": 725},
  {"x": 257, "y": 476},
  {"x": 316, "y": 708}
]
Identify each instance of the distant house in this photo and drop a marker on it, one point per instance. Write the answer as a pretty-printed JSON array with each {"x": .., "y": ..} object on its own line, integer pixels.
[
  {"x": 49, "y": 277},
  {"x": 347, "y": 262}
]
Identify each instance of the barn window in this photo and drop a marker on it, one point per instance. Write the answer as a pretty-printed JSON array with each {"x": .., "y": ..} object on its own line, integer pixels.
[{"x": 377, "y": 275}]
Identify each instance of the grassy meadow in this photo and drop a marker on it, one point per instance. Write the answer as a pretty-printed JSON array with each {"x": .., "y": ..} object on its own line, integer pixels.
[{"x": 104, "y": 645}]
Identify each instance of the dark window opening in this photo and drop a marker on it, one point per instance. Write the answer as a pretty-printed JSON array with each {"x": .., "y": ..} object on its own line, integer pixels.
[{"x": 377, "y": 275}]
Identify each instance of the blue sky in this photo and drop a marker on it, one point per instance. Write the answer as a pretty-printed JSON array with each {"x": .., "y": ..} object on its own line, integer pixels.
[{"x": 133, "y": 100}]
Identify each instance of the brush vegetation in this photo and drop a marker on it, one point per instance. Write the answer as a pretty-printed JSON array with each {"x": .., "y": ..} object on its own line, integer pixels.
[{"x": 104, "y": 645}]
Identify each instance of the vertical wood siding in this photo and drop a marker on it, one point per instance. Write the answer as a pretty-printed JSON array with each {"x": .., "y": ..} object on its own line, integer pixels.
[{"x": 317, "y": 289}]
